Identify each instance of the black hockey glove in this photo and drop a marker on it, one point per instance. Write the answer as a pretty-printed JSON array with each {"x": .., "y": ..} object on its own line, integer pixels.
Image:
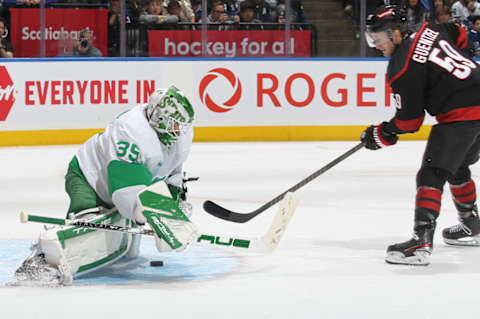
[{"x": 375, "y": 137}]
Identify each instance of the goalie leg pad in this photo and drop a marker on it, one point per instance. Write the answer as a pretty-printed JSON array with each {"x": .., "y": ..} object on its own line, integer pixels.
[
  {"x": 134, "y": 249},
  {"x": 73, "y": 251}
]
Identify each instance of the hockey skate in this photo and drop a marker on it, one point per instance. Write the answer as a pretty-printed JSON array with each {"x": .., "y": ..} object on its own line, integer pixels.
[
  {"x": 466, "y": 233},
  {"x": 35, "y": 271},
  {"x": 415, "y": 251}
]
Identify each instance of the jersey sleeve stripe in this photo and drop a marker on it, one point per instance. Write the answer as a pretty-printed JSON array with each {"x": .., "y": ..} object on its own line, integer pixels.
[{"x": 409, "y": 125}]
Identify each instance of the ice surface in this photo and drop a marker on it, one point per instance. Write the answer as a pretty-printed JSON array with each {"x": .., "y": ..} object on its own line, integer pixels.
[{"x": 330, "y": 263}]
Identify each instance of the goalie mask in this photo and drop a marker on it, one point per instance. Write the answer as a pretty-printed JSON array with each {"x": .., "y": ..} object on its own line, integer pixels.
[
  {"x": 385, "y": 19},
  {"x": 169, "y": 113}
]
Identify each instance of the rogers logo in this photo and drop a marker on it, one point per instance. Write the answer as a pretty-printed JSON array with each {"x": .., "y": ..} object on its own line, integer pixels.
[
  {"x": 234, "y": 82},
  {"x": 6, "y": 93}
]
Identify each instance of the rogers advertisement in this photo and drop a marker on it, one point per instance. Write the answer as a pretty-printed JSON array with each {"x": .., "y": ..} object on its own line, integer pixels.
[
  {"x": 61, "y": 28},
  {"x": 228, "y": 43},
  {"x": 40, "y": 95}
]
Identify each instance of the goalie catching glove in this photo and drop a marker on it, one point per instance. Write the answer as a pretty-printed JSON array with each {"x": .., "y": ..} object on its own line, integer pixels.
[
  {"x": 375, "y": 137},
  {"x": 163, "y": 214}
]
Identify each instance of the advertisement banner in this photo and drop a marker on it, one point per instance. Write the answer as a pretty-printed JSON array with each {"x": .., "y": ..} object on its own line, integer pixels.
[
  {"x": 227, "y": 43},
  {"x": 89, "y": 94},
  {"x": 61, "y": 28},
  {"x": 293, "y": 93}
]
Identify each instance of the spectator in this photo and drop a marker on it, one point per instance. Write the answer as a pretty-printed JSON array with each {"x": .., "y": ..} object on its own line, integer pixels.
[
  {"x": 473, "y": 9},
  {"x": 175, "y": 9},
  {"x": 131, "y": 17},
  {"x": 114, "y": 28},
  {"x": 197, "y": 9},
  {"x": 436, "y": 7},
  {"x": 464, "y": 10},
  {"x": 6, "y": 48},
  {"x": 83, "y": 46},
  {"x": 474, "y": 36},
  {"x": 232, "y": 7},
  {"x": 460, "y": 11},
  {"x": 219, "y": 16},
  {"x": 154, "y": 14},
  {"x": 263, "y": 11},
  {"x": 297, "y": 7},
  {"x": 296, "y": 11},
  {"x": 217, "y": 13},
  {"x": 444, "y": 15},
  {"x": 247, "y": 16},
  {"x": 186, "y": 11},
  {"x": 416, "y": 15}
]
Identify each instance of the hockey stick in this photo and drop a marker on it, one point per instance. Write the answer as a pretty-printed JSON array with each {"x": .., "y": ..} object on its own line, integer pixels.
[
  {"x": 267, "y": 243},
  {"x": 223, "y": 213}
]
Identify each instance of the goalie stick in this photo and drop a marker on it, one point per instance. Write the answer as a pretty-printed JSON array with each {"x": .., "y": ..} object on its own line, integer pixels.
[
  {"x": 264, "y": 244},
  {"x": 223, "y": 213}
]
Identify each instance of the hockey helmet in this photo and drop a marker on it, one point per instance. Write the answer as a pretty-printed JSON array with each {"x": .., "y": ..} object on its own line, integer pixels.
[
  {"x": 385, "y": 19},
  {"x": 169, "y": 113}
]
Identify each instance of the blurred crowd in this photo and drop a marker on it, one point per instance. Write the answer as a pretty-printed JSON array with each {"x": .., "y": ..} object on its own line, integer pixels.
[
  {"x": 463, "y": 12},
  {"x": 165, "y": 14}
]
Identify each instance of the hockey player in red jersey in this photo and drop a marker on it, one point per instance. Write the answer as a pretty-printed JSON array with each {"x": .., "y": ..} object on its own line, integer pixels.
[{"x": 430, "y": 71}]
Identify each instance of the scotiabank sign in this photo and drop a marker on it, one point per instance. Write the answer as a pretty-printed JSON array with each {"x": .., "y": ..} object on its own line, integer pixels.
[
  {"x": 61, "y": 29},
  {"x": 227, "y": 43}
]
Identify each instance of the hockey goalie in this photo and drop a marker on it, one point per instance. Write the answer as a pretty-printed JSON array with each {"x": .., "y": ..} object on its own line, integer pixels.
[{"x": 129, "y": 175}]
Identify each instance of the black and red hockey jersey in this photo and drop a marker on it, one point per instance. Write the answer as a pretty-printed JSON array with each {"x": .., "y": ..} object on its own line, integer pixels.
[{"x": 430, "y": 72}]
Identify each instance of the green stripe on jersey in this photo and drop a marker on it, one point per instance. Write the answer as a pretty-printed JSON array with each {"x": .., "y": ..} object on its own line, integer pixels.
[{"x": 124, "y": 174}]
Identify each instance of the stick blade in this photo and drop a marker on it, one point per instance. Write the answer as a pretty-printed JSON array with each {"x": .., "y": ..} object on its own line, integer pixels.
[
  {"x": 280, "y": 221},
  {"x": 225, "y": 214}
]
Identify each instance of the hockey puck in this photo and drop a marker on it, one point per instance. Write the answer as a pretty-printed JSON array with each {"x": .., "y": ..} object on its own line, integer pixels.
[{"x": 156, "y": 263}]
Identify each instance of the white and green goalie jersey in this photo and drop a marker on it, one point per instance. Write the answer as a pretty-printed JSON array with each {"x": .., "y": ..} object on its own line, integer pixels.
[{"x": 129, "y": 156}]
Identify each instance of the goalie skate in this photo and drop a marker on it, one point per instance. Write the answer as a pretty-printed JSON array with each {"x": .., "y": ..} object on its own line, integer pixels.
[{"x": 35, "y": 271}]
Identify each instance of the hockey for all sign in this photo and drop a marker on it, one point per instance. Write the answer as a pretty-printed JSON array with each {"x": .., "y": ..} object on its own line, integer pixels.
[
  {"x": 61, "y": 29},
  {"x": 228, "y": 43}
]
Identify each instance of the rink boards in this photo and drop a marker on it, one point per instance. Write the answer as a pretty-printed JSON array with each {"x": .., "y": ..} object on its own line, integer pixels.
[{"x": 65, "y": 101}]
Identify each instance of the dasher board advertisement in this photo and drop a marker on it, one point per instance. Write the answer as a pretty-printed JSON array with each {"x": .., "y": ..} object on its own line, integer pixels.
[{"x": 273, "y": 95}]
